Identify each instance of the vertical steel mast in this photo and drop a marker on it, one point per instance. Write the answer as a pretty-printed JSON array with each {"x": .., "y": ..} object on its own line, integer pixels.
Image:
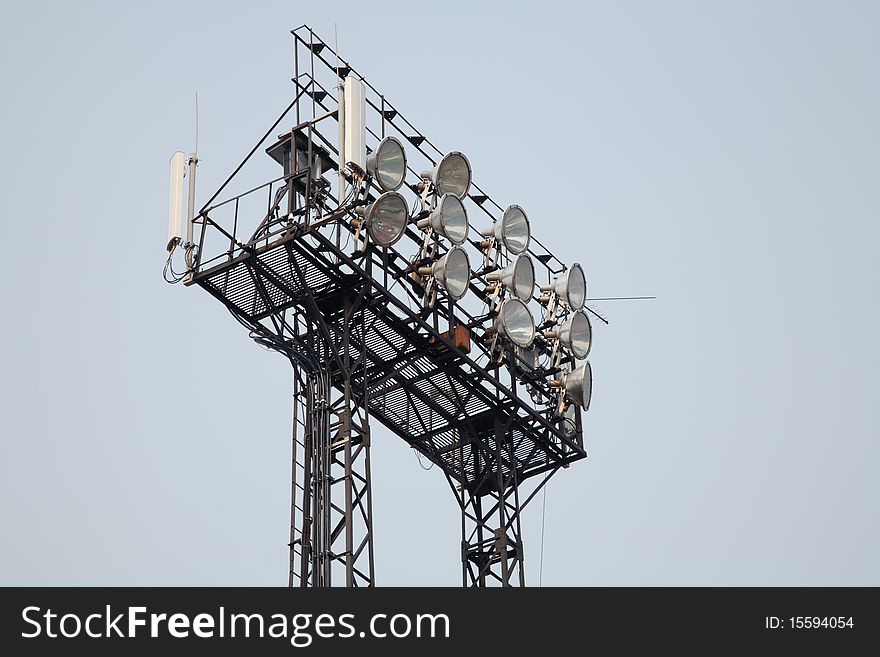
[
  {"x": 492, "y": 547},
  {"x": 331, "y": 528}
]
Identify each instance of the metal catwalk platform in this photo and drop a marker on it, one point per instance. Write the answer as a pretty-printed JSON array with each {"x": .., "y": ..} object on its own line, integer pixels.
[{"x": 416, "y": 381}]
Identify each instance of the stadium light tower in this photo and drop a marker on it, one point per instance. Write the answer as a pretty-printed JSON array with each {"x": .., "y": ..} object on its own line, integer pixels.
[{"x": 359, "y": 271}]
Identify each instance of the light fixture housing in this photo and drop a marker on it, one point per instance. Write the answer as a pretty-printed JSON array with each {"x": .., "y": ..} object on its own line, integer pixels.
[
  {"x": 576, "y": 334},
  {"x": 571, "y": 287},
  {"x": 449, "y": 219},
  {"x": 387, "y": 164},
  {"x": 512, "y": 231},
  {"x": 515, "y": 322},
  {"x": 567, "y": 423},
  {"x": 518, "y": 277},
  {"x": 452, "y": 175},
  {"x": 578, "y": 385},
  {"x": 453, "y": 272},
  {"x": 387, "y": 218}
]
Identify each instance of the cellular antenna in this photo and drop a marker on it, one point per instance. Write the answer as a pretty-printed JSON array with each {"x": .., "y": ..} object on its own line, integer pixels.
[{"x": 175, "y": 201}]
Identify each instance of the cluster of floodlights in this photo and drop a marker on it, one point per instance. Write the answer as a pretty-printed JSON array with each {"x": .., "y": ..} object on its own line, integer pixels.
[{"x": 443, "y": 213}]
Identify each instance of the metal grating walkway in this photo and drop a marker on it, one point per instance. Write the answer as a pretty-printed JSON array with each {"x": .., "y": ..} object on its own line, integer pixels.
[{"x": 425, "y": 391}]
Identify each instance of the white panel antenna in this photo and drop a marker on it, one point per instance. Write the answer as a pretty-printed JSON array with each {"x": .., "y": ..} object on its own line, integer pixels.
[
  {"x": 175, "y": 201},
  {"x": 355, "y": 109}
]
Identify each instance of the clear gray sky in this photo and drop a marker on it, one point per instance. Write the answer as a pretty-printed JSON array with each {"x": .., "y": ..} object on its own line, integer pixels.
[{"x": 723, "y": 156}]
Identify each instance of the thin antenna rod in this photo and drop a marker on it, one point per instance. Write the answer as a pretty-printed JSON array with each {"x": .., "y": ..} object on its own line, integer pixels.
[
  {"x": 543, "y": 518},
  {"x": 598, "y": 315},
  {"x": 197, "y": 124},
  {"x": 191, "y": 203},
  {"x": 613, "y": 299},
  {"x": 336, "y": 39},
  {"x": 619, "y": 298},
  {"x": 340, "y": 114}
]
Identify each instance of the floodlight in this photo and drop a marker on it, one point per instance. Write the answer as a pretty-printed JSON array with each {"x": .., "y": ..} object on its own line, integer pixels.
[
  {"x": 449, "y": 219},
  {"x": 515, "y": 322},
  {"x": 386, "y": 218},
  {"x": 452, "y": 175},
  {"x": 518, "y": 277},
  {"x": 453, "y": 272},
  {"x": 578, "y": 385},
  {"x": 387, "y": 164},
  {"x": 576, "y": 334},
  {"x": 512, "y": 230},
  {"x": 571, "y": 287}
]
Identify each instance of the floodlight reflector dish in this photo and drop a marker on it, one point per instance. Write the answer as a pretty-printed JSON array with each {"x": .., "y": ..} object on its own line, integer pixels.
[
  {"x": 387, "y": 218},
  {"x": 515, "y": 322},
  {"x": 578, "y": 385},
  {"x": 452, "y": 175},
  {"x": 571, "y": 287},
  {"x": 513, "y": 230},
  {"x": 576, "y": 334},
  {"x": 449, "y": 219},
  {"x": 518, "y": 277},
  {"x": 387, "y": 164},
  {"x": 453, "y": 272}
]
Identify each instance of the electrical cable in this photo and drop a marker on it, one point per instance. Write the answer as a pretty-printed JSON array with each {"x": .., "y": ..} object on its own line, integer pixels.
[
  {"x": 419, "y": 458},
  {"x": 169, "y": 267},
  {"x": 543, "y": 518}
]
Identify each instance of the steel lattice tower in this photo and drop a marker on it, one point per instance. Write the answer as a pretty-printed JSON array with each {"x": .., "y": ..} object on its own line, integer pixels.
[{"x": 288, "y": 259}]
